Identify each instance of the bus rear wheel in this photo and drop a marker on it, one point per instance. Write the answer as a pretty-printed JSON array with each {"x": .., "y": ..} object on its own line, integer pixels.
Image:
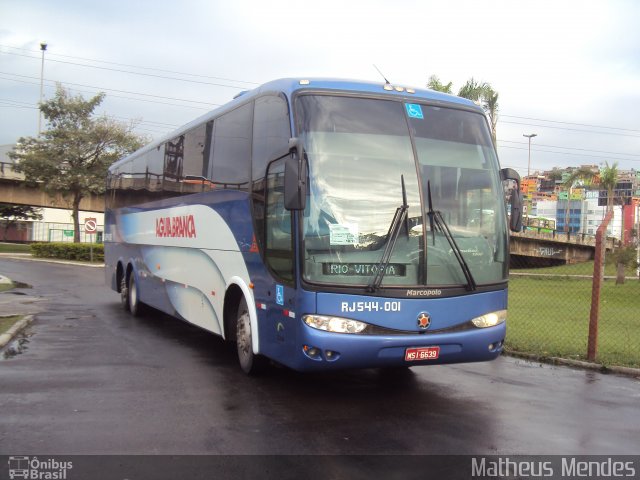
[
  {"x": 136, "y": 307},
  {"x": 124, "y": 293},
  {"x": 250, "y": 363}
]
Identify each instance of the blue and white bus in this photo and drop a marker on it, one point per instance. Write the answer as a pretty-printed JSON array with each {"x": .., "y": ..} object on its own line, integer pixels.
[{"x": 321, "y": 224}]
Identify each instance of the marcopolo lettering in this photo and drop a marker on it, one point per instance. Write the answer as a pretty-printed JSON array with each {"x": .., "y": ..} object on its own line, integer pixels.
[
  {"x": 176, "y": 227},
  {"x": 435, "y": 292}
]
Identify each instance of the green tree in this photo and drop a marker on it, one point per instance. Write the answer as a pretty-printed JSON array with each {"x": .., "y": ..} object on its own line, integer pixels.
[
  {"x": 72, "y": 156},
  {"x": 473, "y": 90},
  {"x": 581, "y": 175},
  {"x": 623, "y": 257},
  {"x": 434, "y": 83},
  {"x": 608, "y": 180},
  {"x": 11, "y": 214},
  {"x": 480, "y": 92},
  {"x": 483, "y": 94}
]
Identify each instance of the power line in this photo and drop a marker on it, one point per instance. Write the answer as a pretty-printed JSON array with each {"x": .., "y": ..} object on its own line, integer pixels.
[
  {"x": 153, "y": 124},
  {"x": 574, "y": 154},
  {"x": 570, "y": 148},
  {"x": 572, "y": 129},
  {"x": 201, "y": 82},
  {"x": 131, "y": 66},
  {"x": 114, "y": 90},
  {"x": 570, "y": 123}
]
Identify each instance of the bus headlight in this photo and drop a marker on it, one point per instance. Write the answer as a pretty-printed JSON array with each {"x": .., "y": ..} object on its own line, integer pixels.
[
  {"x": 334, "y": 324},
  {"x": 490, "y": 319}
]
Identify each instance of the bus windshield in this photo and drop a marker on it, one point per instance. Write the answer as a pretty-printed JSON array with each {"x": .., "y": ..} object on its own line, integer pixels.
[{"x": 360, "y": 152}]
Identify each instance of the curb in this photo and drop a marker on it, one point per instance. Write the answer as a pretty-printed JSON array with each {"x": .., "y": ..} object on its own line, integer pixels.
[
  {"x": 28, "y": 257},
  {"x": 13, "y": 331},
  {"x": 596, "y": 367}
]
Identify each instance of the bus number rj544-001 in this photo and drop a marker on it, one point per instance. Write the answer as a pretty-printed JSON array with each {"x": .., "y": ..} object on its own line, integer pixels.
[{"x": 370, "y": 306}]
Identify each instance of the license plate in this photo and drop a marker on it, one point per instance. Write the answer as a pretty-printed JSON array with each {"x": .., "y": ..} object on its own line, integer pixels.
[{"x": 422, "y": 353}]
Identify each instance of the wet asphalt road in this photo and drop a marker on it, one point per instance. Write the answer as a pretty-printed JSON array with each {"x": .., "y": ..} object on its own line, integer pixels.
[{"x": 92, "y": 380}]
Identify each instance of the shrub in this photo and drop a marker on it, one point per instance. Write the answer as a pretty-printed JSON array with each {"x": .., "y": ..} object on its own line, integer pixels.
[{"x": 68, "y": 251}]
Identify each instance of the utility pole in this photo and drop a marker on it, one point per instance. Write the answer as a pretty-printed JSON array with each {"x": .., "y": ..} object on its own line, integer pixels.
[
  {"x": 638, "y": 239},
  {"x": 43, "y": 48}
]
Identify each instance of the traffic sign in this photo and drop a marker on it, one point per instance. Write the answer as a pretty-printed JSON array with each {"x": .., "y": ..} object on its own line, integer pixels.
[{"x": 90, "y": 225}]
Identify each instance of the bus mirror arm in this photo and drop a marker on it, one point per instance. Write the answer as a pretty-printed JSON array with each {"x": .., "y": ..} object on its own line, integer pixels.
[
  {"x": 295, "y": 177},
  {"x": 515, "y": 222}
]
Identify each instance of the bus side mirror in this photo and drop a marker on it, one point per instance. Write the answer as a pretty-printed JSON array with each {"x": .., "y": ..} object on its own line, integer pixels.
[
  {"x": 515, "y": 199},
  {"x": 515, "y": 222},
  {"x": 295, "y": 177}
]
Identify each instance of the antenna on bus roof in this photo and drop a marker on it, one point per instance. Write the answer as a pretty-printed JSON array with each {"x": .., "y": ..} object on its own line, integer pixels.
[{"x": 382, "y": 74}]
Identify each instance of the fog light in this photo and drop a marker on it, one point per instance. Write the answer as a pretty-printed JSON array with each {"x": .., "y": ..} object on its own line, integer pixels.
[
  {"x": 312, "y": 352},
  {"x": 331, "y": 356}
]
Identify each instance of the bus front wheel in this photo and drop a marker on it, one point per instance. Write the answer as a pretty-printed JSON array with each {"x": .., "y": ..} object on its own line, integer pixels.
[{"x": 249, "y": 362}]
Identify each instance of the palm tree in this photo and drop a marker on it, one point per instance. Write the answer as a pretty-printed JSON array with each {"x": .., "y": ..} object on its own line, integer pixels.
[
  {"x": 480, "y": 92},
  {"x": 584, "y": 175},
  {"x": 490, "y": 105},
  {"x": 473, "y": 90},
  {"x": 434, "y": 83},
  {"x": 483, "y": 94},
  {"x": 608, "y": 180}
]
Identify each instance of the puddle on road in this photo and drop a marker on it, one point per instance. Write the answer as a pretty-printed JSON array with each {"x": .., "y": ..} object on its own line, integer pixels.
[{"x": 16, "y": 346}]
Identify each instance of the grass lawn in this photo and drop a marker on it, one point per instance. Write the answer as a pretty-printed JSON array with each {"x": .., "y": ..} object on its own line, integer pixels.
[
  {"x": 583, "y": 268},
  {"x": 7, "y": 322},
  {"x": 550, "y": 316},
  {"x": 14, "y": 248}
]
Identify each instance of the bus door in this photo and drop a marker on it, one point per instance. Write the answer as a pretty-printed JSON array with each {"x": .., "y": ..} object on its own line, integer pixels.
[{"x": 279, "y": 259}]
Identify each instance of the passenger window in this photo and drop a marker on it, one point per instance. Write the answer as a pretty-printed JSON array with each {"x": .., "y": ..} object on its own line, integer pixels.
[{"x": 232, "y": 148}]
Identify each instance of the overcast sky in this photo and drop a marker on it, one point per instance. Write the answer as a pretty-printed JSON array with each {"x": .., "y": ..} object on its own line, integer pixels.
[{"x": 568, "y": 71}]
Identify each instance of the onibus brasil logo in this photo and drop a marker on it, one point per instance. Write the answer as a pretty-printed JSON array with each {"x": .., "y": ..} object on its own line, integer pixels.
[{"x": 33, "y": 468}]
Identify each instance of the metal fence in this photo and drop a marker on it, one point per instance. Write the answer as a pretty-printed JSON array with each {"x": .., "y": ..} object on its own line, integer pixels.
[
  {"x": 47, "y": 232},
  {"x": 549, "y": 313}
]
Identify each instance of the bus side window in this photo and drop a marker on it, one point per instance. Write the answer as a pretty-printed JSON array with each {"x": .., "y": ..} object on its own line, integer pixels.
[
  {"x": 232, "y": 149},
  {"x": 278, "y": 232}
]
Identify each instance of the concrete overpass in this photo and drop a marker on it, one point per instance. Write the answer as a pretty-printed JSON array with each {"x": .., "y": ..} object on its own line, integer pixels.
[
  {"x": 14, "y": 190},
  {"x": 553, "y": 248}
]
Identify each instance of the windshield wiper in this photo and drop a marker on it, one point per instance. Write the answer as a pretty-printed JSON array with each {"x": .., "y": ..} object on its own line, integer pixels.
[
  {"x": 436, "y": 219},
  {"x": 399, "y": 219}
]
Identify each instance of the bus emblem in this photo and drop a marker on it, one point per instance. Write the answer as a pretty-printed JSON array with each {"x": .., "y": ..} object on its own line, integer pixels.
[{"x": 424, "y": 320}]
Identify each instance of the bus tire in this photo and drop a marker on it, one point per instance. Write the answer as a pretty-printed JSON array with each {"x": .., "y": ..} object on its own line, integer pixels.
[
  {"x": 124, "y": 293},
  {"x": 136, "y": 307},
  {"x": 250, "y": 363}
]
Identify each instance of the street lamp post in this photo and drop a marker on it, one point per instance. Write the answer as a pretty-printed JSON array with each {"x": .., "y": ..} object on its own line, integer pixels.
[
  {"x": 530, "y": 136},
  {"x": 43, "y": 48}
]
